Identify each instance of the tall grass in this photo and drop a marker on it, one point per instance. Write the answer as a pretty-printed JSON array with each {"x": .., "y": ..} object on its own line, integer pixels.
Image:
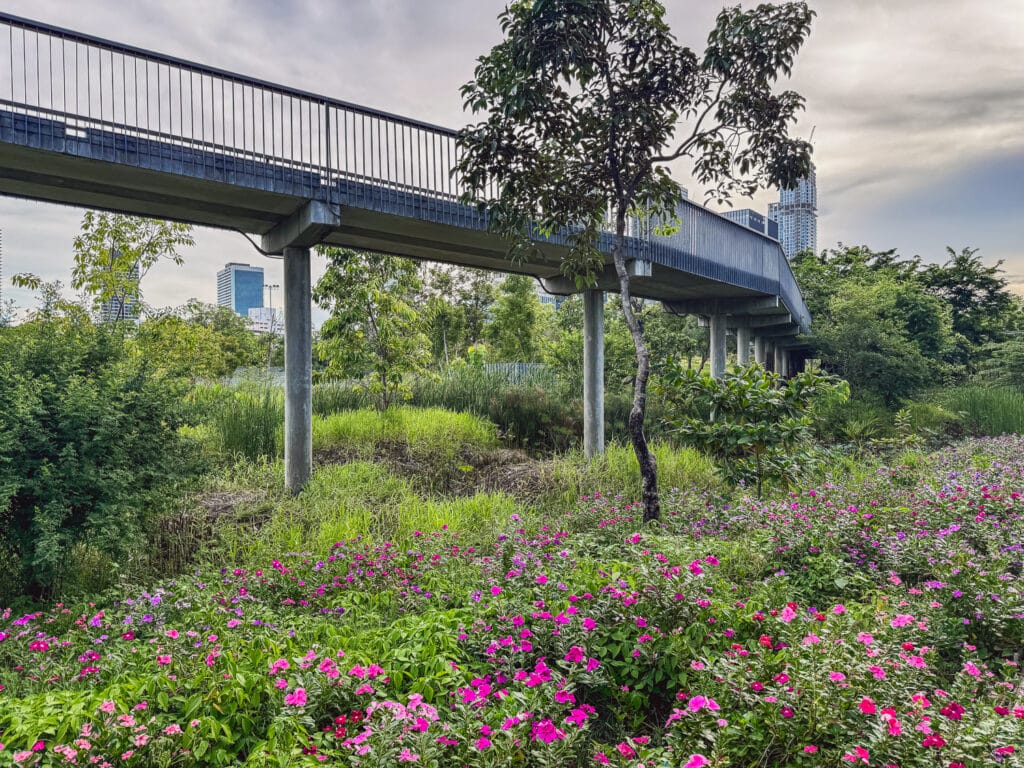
[
  {"x": 616, "y": 471},
  {"x": 363, "y": 499},
  {"x": 250, "y": 423},
  {"x": 988, "y": 411},
  {"x": 428, "y": 432}
]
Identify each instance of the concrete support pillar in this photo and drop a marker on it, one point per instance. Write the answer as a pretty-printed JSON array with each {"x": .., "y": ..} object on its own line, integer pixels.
[
  {"x": 716, "y": 328},
  {"x": 742, "y": 347},
  {"x": 761, "y": 350},
  {"x": 298, "y": 369},
  {"x": 780, "y": 361},
  {"x": 593, "y": 373}
]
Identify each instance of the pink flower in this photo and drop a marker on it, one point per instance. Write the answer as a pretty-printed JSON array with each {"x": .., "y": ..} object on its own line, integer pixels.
[
  {"x": 172, "y": 633},
  {"x": 297, "y": 698},
  {"x": 545, "y": 731},
  {"x": 408, "y": 756},
  {"x": 787, "y": 615},
  {"x": 588, "y": 625},
  {"x": 696, "y": 761},
  {"x": 107, "y": 706},
  {"x": 364, "y": 688},
  {"x": 575, "y": 655},
  {"x": 592, "y": 664},
  {"x": 601, "y": 757},
  {"x": 810, "y": 749},
  {"x": 836, "y": 677},
  {"x": 483, "y": 743},
  {"x": 867, "y": 706},
  {"x": 172, "y": 730},
  {"x": 163, "y": 660}
]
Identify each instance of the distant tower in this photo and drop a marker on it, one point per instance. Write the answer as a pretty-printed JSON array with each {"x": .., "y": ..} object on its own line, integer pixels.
[
  {"x": 116, "y": 308},
  {"x": 755, "y": 221},
  {"x": 797, "y": 216},
  {"x": 240, "y": 287}
]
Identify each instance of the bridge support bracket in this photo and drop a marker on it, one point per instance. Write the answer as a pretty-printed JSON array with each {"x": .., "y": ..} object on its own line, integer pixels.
[{"x": 303, "y": 229}]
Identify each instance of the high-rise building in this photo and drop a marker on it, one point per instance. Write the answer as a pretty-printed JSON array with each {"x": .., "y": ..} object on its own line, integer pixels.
[
  {"x": 754, "y": 220},
  {"x": 797, "y": 216},
  {"x": 266, "y": 320},
  {"x": 122, "y": 307},
  {"x": 240, "y": 287}
]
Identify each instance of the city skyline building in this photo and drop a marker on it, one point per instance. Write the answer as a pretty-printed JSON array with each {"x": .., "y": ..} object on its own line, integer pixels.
[
  {"x": 796, "y": 213},
  {"x": 122, "y": 307},
  {"x": 754, "y": 220},
  {"x": 240, "y": 287},
  {"x": 266, "y": 320}
]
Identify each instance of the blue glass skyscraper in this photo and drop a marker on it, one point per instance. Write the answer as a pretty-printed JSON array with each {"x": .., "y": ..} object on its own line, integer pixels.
[{"x": 240, "y": 287}]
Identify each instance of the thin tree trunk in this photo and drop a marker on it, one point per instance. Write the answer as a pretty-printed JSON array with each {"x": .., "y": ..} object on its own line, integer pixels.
[{"x": 646, "y": 460}]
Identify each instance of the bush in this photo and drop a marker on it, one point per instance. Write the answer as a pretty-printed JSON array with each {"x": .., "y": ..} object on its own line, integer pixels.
[
  {"x": 751, "y": 420},
  {"x": 86, "y": 432}
]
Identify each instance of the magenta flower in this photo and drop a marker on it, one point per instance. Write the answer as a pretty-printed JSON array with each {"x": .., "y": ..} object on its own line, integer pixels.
[{"x": 296, "y": 698}]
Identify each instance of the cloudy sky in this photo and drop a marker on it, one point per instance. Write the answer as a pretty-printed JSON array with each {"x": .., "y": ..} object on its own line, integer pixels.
[{"x": 917, "y": 106}]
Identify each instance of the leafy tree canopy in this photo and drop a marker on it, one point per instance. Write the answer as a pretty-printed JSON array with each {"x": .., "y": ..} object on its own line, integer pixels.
[
  {"x": 586, "y": 103},
  {"x": 374, "y": 330}
]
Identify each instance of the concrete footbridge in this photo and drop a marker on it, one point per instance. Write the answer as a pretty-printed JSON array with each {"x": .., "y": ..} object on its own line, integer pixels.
[{"x": 94, "y": 123}]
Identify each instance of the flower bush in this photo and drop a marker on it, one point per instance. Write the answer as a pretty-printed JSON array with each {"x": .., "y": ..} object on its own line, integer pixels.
[{"x": 876, "y": 622}]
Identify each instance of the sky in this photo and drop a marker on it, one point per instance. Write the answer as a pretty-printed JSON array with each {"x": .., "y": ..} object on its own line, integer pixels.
[{"x": 917, "y": 110}]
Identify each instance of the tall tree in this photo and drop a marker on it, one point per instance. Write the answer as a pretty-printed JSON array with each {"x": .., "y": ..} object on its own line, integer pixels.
[
  {"x": 587, "y": 103},
  {"x": 374, "y": 330},
  {"x": 513, "y": 330},
  {"x": 979, "y": 299},
  {"x": 114, "y": 252}
]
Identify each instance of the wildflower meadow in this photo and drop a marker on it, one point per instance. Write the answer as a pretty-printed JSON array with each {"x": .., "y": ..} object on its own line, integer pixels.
[{"x": 868, "y": 621}]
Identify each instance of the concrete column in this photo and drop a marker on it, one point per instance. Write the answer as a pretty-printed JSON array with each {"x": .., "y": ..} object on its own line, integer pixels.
[
  {"x": 593, "y": 373},
  {"x": 716, "y": 328},
  {"x": 761, "y": 350},
  {"x": 780, "y": 361},
  {"x": 742, "y": 347},
  {"x": 298, "y": 369}
]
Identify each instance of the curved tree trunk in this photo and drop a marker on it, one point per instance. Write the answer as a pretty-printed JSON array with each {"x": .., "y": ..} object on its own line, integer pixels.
[{"x": 648, "y": 464}]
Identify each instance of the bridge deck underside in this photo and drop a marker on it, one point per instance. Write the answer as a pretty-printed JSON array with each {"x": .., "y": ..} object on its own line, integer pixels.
[{"x": 44, "y": 159}]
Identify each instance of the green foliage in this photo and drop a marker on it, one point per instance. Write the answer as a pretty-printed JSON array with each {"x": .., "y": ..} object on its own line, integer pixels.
[
  {"x": 114, "y": 252},
  {"x": 751, "y": 420},
  {"x": 249, "y": 423},
  {"x": 586, "y": 104},
  {"x": 179, "y": 349},
  {"x": 895, "y": 327},
  {"x": 875, "y": 324},
  {"x": 426, "y": 432},
  {"x": 616, "y": 471},
  {"x": 86, "y": 432},
  {"x": 374, "y": 331},
  {"x": 987, "y": 410},
  {"x": 515, "y": 322},
  {"x": 1005, "y": 364},
  {"x": 979, "y": 299}
]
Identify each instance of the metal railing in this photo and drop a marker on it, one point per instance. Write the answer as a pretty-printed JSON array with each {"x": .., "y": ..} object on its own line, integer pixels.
[
  {"x": 146, "y": 105},
  {"x": 88, "y": 83}
]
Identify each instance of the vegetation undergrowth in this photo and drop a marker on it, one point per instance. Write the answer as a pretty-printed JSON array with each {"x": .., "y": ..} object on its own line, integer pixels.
[{"x": 869, "y": 619}]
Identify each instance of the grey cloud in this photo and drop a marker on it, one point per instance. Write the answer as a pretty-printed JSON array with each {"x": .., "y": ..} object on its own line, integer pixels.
[{"x": 906, "y": 95}]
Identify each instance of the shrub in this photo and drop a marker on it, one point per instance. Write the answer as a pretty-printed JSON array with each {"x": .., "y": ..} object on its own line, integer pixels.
[
  {"x": 751, "y": 420},
  {"x": 86, "y": 432}
]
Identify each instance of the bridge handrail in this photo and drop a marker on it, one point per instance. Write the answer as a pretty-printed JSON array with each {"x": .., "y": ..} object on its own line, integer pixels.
[{"x": 317, "y": 135}]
